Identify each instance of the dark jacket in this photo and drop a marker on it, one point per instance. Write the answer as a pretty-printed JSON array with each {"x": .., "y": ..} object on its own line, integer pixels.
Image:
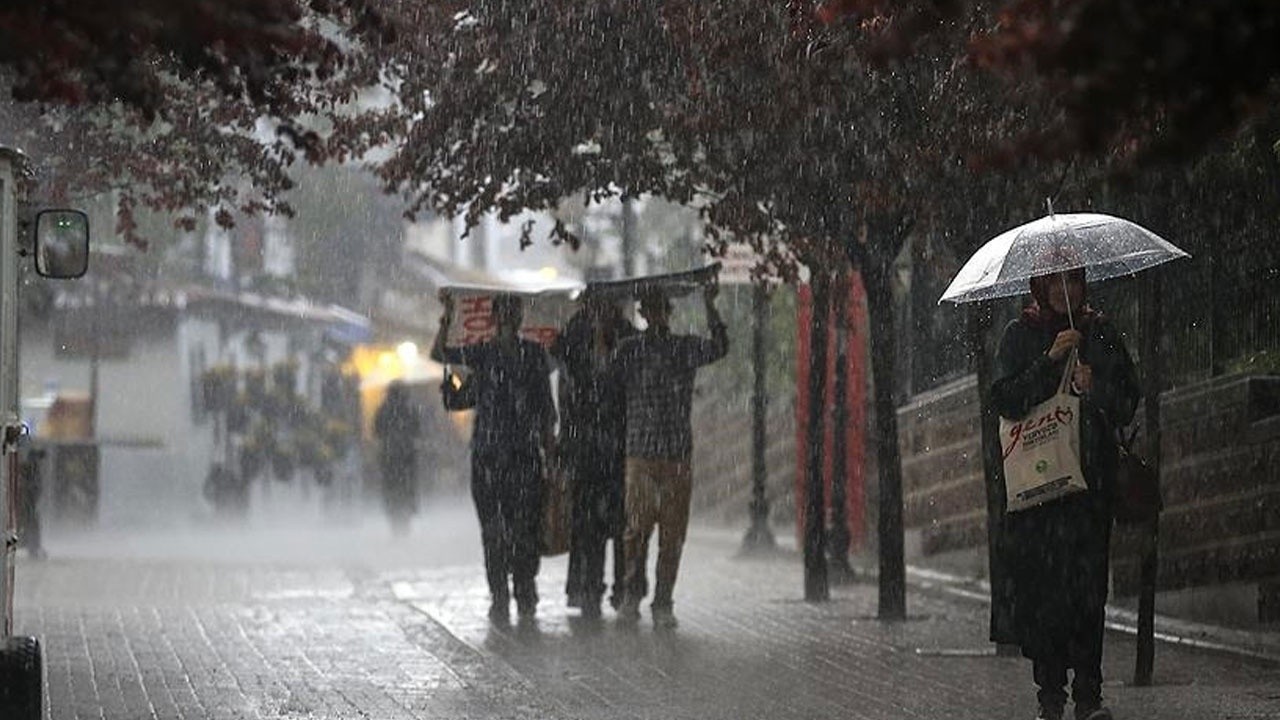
[
  {"x": 1058, "y": 552},
  {"x": 594, "y": 418},
  {"x": 513, "y": 401}
]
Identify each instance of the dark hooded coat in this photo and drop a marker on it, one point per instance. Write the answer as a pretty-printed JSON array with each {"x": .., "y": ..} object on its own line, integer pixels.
[{"x": 1057, "y": 553}]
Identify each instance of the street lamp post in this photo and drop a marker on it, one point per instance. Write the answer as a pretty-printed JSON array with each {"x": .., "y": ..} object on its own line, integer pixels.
[
  {"x": 759, "y": 537},
  {"x": 816, "y": 587}
]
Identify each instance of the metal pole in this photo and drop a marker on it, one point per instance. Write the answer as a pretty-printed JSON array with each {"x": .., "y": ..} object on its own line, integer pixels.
[
  {"x": 10, "y": 421},
  {"x": 95, "y": 356},
  {"x": 479, "y": 239},
  {"x": 629, "y": 244},
  {"x": 1151, "y": 328},
  {"x": 759, "y": 537},
  {"x": 841, "y": 571},
  {"x": 816, "y": 588}
]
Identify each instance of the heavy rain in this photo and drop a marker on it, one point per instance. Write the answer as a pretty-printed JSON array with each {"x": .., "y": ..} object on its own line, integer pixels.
[{"x": 857, "y": 359}]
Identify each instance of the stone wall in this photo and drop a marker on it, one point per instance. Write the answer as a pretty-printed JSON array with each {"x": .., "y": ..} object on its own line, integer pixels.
[
  {"x": 943, "y": 486},
  {"x": 722, "y": 460},
  {"x": 1221, "y": 484}
]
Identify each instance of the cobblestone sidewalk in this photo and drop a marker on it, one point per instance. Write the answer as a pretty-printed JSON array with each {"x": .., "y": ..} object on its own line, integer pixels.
[{"x": 187, "y": 639}]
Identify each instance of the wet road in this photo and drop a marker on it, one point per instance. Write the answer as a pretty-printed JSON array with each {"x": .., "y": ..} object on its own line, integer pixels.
[{"x": 317, "y": 620}]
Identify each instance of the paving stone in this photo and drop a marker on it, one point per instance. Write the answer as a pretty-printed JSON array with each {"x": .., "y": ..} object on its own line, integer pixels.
[{"x": 201, "y": 639}]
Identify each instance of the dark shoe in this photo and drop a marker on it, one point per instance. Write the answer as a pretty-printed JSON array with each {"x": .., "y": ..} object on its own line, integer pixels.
[
  {"x": 573, "y": 600},
  {"x": 527, "y": 608},
  {"x": 629, "y": 612},
  {"x": 500, "y": 612},
  {"x": 1098, "y": 713},
  {"x": 1047, "y": 713},
  {"x": 664, "y": 618}
]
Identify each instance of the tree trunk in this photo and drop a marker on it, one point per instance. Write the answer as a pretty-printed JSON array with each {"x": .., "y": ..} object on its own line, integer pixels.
[
  {"x": 816, "y": 588},
  {"x": 841, "y": 571},
  {"x": 1154, "y": 372},
  {"x": 1001, "y": 628},
  {"x": 893, "y": 601}
]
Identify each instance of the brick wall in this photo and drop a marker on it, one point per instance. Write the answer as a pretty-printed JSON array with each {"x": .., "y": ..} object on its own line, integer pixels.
[
  {"x": 943, "y": 486},
  {"x": 722, "y": 459},
  {"x": 1221, "y": 483},
  {"x": 1220, "y": 479}
]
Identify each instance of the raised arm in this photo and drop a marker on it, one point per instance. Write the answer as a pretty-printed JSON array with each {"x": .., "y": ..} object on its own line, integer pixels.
[
  {"x": 440, "y": 350},
  {"x": 704, "y": 351}
]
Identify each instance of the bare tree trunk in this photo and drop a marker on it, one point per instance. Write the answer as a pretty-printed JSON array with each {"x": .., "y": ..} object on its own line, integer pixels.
[
  {"x": 893, "y": 601},
  {"x": 1002, "y": 632},
  {"x": 841, "y": 571}
]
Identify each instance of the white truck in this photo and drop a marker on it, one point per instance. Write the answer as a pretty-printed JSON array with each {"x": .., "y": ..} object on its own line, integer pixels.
[{"x": 59, "y": 241}]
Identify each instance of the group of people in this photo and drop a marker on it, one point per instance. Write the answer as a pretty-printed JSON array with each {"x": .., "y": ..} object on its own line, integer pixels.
[{"x": 624, "y": 437}]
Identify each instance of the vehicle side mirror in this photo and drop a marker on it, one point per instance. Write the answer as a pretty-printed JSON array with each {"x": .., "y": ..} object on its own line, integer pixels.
[{"x": 62, "y": 244}]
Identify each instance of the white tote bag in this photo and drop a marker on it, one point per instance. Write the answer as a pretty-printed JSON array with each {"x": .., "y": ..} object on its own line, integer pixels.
[{"x": 1042, "y": 450}]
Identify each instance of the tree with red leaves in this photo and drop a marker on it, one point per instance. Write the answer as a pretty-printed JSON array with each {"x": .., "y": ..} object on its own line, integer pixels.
[
  {"x": 179, "y": 107},
  {"x": 134, "y": 51},
  {"x": 1141, "y": 80},
  {"x": 791, "y": 135}
]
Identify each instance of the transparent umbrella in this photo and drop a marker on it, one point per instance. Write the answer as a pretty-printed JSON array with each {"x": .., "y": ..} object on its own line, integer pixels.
[{"x": 1105, "y": 246}]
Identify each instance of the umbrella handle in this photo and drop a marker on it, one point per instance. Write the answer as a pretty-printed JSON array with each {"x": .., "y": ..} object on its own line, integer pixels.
[
  {"x": 1075, "y": 351},
  {"x": 1066, "y": 297},
  {"x": 1068, "y": 382}
]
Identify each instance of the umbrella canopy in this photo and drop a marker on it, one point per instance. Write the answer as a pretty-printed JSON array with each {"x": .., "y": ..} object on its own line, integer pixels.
[
  {"x": 1105, "y": 246},
  {"x": 676, "y": 284}
]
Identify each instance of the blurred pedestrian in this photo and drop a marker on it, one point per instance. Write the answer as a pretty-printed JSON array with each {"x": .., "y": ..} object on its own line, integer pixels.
[
  {"x": 513, "y": 436},
  {"x": 593, "y": 444},
  {"x": 1058, "y": 551},
  {"x": 398, "y": 425},
  {"x": 30, "y": 483},
  {"x": 657, "y": 369}
]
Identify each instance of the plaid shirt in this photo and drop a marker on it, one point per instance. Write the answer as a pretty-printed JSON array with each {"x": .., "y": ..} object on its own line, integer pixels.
[{"x": 657, "y": 371}]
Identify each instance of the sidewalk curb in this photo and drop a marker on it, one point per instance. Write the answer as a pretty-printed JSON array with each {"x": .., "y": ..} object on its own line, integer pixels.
[{"x": 1168, "y": 630}]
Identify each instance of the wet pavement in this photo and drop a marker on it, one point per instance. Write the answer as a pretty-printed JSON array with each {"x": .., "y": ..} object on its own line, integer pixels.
[{"x": 339, "y": 621}]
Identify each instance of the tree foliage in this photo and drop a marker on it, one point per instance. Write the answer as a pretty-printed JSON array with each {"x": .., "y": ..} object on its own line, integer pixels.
[
  {"x": 502, "y": 107},
  {"x": 180, "y": 106},
  {"x": 1139, "y": 80},
  {"x": 135, "y": 52}
]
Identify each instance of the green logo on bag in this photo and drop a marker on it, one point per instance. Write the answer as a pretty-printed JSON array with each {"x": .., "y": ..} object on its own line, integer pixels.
[{"x": 1042, "y": 466}]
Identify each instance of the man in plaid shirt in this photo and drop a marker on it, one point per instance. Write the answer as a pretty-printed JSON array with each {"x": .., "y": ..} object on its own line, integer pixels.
[{"x": 657, "y": 370}]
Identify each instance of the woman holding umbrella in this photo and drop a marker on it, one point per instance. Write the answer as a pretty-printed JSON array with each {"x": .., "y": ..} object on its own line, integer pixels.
[{"x": 1058, "y": 554}]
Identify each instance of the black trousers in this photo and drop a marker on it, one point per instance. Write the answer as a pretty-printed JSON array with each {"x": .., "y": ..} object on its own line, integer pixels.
[
  {"x": 597, "y": 519},
  {"x": 1084, "y": 657},
  {"x": 507, "y": 490}
]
